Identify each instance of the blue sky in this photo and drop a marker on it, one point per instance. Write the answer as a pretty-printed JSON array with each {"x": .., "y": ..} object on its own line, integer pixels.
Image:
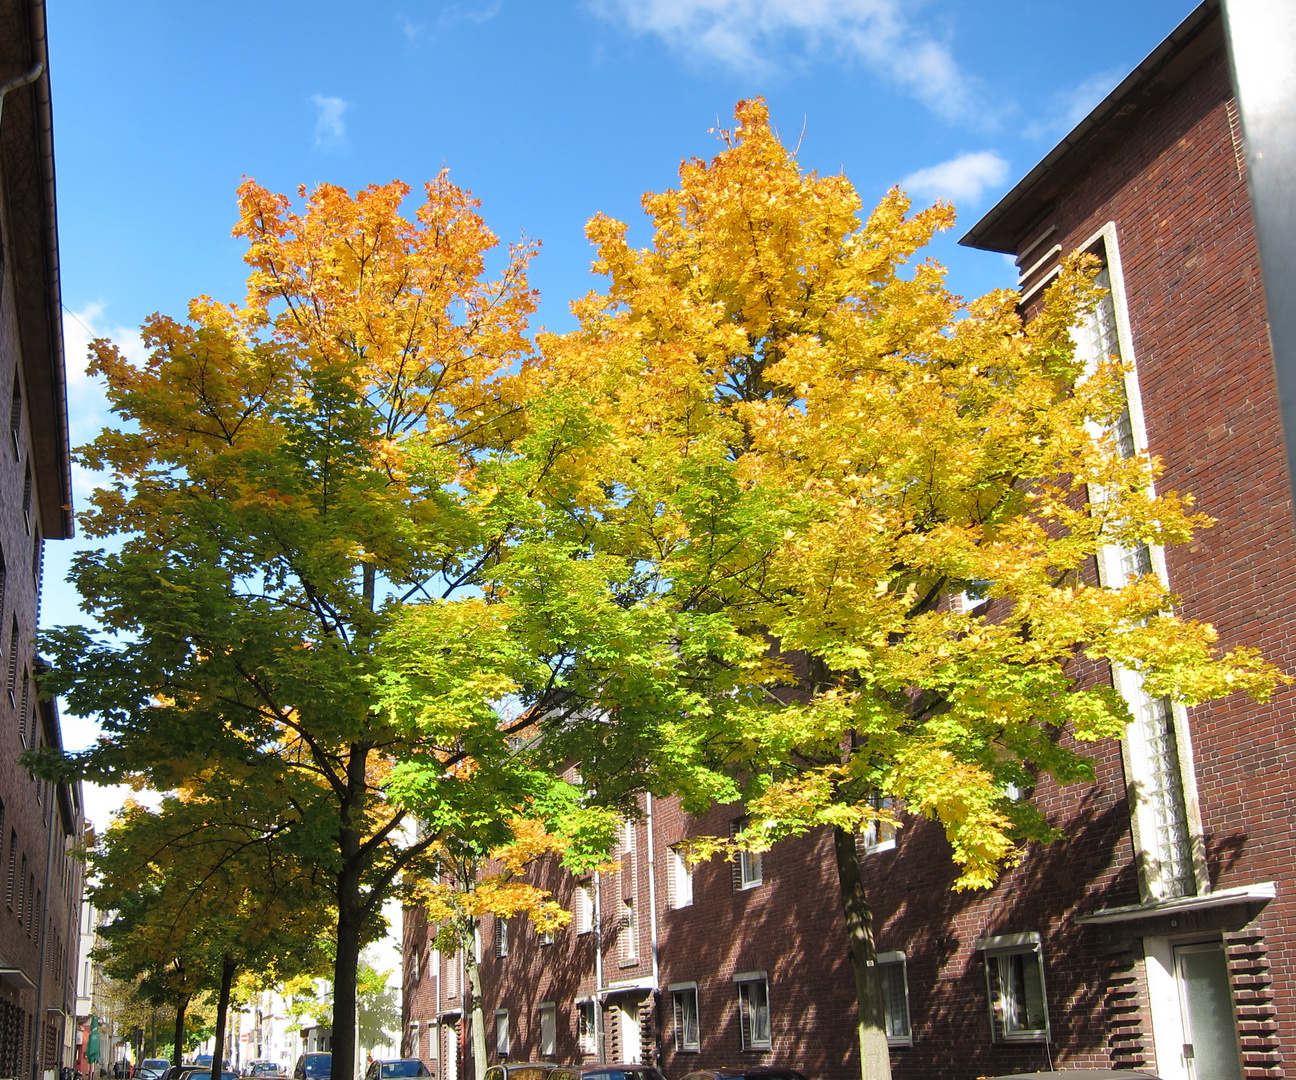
[{"x": 549, "y": 110}]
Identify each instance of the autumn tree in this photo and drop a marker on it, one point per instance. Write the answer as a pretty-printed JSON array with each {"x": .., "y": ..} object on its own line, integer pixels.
[
  {"x": 201, "y": 891},
  {"x": 810, "y": 448},
  {"x": 348, "y": 582}
]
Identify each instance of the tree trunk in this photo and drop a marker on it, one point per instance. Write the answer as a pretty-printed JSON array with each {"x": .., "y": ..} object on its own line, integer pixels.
[
  {"x": 875, "y": 1057},
  {"x": 473, "y": 1006},
  {"x": 177, "y": 1051},
  {"x": 345, "y": 973},
  {"x": 228, "y": 967}
]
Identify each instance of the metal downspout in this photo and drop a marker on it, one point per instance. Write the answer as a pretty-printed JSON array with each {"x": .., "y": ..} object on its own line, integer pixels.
[{"x": 652, "y": 930}]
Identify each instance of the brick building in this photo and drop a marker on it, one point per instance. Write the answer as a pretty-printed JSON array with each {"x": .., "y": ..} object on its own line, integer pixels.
[
  {"x": 1160, "y": 933},
  {"x": 40, "y": 824}
]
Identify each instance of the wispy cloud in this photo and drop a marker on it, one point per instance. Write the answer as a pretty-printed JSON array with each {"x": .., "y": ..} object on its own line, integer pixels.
[
  {"x": 963, "y": 179},
  {"x": 409, "y": 27},
  {"x": 759, "y": 34},
  {"x": 1065, "y": 108},
  {"x": 330, "y": 128},
  {"x": 87, "y": 405},
  {"x": 475, "y": 13}
]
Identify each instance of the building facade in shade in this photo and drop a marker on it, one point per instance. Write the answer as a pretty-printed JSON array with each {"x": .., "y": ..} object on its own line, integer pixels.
[
  {"x": 40, "y": 824},
  {"x": 1159, "y": 933}
]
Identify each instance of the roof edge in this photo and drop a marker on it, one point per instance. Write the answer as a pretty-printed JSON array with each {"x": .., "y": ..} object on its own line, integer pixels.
[{"x": 986, "y": 234}]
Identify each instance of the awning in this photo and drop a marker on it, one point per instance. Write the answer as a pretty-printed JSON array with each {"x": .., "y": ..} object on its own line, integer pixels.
[
  {"x": 16, "y": 978},
  {"x": 1224, "y": 909}
]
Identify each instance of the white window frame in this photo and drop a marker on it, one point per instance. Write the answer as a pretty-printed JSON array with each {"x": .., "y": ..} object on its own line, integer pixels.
[
  {"x": 749, "y": 869},
  {"x": 1155, "y": 882},
  {"x": 747, "y": 982},
  {"x": 897, "y": 964},
  {"x": 548, "y": 1011},
  {"x": 628, "y": 939},
  {"x": 502, "y": 1040},
  {"x": 587, "y": 1010},
  {"x": 434, "y": 1039},
  {"x": 416, "y": 1048},
  {"x": 681, "y": 879},
  {"x": 681, "y": 993},
  {"x": 880, "y": 836},
  {"x": 501, "y": 937},
  {"x": 583, "y": 902},
  {"x": 1002, "y": 950}
]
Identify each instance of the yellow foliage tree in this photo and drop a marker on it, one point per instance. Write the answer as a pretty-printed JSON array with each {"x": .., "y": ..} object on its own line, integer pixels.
[{"x": 800, "y": 440}]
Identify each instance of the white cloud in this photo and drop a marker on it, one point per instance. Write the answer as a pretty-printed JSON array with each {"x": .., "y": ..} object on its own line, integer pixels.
[
  {"x": 87, "y": 405},
  {"x": 330, "y": 129},
  {"x": 453, "y": 13},
  {"x": 961, "y": 180},
  {"x": 1068, "y": 107},
  {"x": 754, "y": 34},
  {"x": 409, "y": 27}
]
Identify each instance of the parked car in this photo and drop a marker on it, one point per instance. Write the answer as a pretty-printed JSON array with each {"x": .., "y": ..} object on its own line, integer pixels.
[
  {"x": 522, "y": 1070},
  {"x": 602, "y": 1071},
  {"x": 140, "y": 1072},
  {"x": 1082, "y": 1074},
  {"x": 158, "y": 1065},
  {"x": 395, "y": 1067},
  {"x": 767, "y": 1073},
  {"x": 263, "y": 1068},
  {"x": 314, "y": 1066},
  {"x": 181, "y": 1072},
  {"x": 206, "y": 1074}
]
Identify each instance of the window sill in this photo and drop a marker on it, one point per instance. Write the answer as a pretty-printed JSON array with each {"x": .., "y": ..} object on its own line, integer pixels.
[
  {"x": 751, "y": 885},
  {"x": 899, "y": 1040},
  {"x": 623, "y": 964}
]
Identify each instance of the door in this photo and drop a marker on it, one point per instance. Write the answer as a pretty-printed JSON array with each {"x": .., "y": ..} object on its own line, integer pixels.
[
  {"x": 1210, "y": 1030},
  {"x": 451, "y": 1058},
  {"x": 631, "y": 1040}
]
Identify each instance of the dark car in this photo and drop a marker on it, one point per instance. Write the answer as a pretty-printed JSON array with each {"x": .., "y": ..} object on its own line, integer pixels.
[
  {"x": 316, "y": 1066},
  {"x": 394, "y": 1068},
  {"x": 770, "y": 1073},
  {"x": 1082, "y": 1074},
  {"x": 522, "y": 1070},
  {"x": 602, "y": 1071}
]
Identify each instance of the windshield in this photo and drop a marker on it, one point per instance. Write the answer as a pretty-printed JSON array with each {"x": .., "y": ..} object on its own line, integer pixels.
[
  {"x": 403, "y": 1068},
  {"x": 318, "y": 1065}
]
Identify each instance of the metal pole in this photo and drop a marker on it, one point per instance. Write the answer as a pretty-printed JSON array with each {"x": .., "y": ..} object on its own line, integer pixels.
[{"x": 1261, "y": 37}]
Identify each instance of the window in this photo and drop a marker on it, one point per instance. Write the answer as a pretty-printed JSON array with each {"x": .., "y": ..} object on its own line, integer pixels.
[
  {"x": 629, "y": 939},
  {"x": 24, "y": 706},
  {"x": 3, "y": 579},
  {"x": 895, "y": 997},
  {"x": 880, "y": 835},
  {"x": 747, "y": 864},
  {"x": 501, "y": 1032},
  {"x": 434, "y": 1039},
  {"x": 583, "y": 902},
  {"x": 1015, "y": 986},
  {"x": 753, "y": 1010},
  {"x": 548, "y": 1028},
  {"x": 679, "y": 879},
  {"x": 22, "y": 889},
  {"x": 27, "y": 497},
  {"x": 415, "y": 974},
  {"x": 477, "y": 943},
  {"x": 37, "y": 550},
  {"x": 545, "y": 937},
  {"x": 688, "y": 1032},
  {"x": 11, "y": 880},
  {"x": 12, "y": 681},
  {"x": 15, "y": 416},
  {"x": 452, "y": 974},
  {"x": 587, "y": 1027},
  {"x": 501, "y": 937},
  {"x": 414, "y": 1047}
]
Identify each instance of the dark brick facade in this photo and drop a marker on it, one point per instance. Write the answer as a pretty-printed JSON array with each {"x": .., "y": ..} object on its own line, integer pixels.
[
  {"x": 1159, "y": 169},
  {"x": 40, "y": 824}
]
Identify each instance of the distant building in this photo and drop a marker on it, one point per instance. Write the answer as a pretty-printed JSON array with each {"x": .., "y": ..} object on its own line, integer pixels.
[
  {"x": 39, "y": 824},
  {"x": 1161, "y": 933}
]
